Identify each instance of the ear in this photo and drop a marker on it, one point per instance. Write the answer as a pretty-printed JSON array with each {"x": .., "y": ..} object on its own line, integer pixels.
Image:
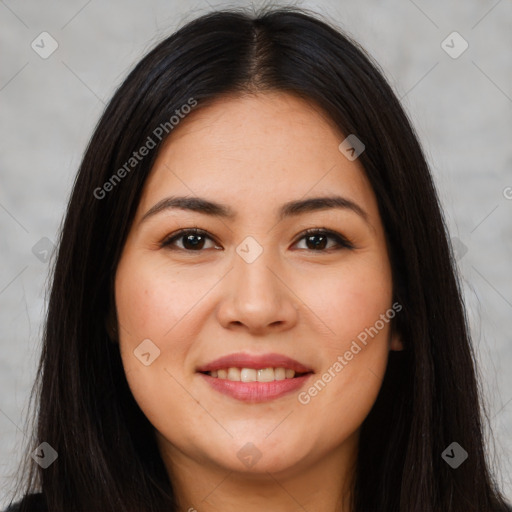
[
  {"x": 396, "y": 342},
  {"x": 395, "y": 338}
]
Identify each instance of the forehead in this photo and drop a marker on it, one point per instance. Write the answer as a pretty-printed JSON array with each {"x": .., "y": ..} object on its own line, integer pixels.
[{"x": 264, "y": 148}]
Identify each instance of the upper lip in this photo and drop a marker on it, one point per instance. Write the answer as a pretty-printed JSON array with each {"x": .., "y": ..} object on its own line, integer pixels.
[{"x": 242, "y": 360}]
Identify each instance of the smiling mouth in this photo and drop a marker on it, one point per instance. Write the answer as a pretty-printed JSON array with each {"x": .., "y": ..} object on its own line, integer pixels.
[{"x": 254, "y": 375}]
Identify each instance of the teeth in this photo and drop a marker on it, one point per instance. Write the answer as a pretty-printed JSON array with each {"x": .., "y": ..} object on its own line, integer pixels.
[
  {"x": 234, "y": 374},
  {"x": 266, "y": 375},
  {"x": 248, "y": 375},
  {"x": 280, "y": 374},
  {"x": 253, "y": 375}
]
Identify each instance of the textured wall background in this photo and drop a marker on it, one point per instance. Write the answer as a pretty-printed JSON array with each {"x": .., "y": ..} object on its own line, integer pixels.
[{"x": 461, "y": 106}]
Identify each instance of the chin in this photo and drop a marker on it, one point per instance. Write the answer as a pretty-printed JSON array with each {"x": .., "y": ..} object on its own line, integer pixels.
[{"x": 260, "y": 458}]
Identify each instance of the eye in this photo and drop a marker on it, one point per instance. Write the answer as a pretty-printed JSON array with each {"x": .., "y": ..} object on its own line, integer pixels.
[
  {"x": 193, "y": 240},
  {"x": 316, "y": 240}
]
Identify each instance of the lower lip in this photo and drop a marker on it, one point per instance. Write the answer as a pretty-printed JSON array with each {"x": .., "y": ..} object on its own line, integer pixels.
[{"x": 256, "y": 391}]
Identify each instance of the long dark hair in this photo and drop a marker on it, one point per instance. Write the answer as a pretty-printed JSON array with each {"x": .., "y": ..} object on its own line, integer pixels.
[{"x": 430, "y": 396}]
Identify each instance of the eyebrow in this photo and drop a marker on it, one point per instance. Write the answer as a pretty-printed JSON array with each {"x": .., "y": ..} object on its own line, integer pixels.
[{"x": 289, "y": 209}]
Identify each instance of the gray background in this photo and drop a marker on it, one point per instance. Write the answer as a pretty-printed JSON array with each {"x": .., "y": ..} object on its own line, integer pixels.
[{"x": 461, "y": 108}]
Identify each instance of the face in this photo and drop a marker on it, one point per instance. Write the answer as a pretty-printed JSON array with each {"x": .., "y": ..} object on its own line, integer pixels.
[{"x": 254, "y": 287}]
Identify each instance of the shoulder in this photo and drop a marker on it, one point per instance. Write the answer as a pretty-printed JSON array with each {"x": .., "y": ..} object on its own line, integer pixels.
[{"x": 31, "y": 502}]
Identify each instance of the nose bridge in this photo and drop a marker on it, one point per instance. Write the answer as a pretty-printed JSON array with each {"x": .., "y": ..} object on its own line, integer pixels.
[
  {"x": 258, "y": 296},
  {"x": 255, "y": 282}
]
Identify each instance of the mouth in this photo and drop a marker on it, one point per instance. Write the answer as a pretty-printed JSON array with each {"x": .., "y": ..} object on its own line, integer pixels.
[{"x": 255, "y": 378}]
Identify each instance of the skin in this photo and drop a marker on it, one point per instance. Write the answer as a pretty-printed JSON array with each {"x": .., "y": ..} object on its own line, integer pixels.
[{"x": 254, "y": 153}]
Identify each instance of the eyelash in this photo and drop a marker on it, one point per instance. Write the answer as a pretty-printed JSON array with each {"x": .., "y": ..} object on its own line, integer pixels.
[{"x": 342, "y": 242}]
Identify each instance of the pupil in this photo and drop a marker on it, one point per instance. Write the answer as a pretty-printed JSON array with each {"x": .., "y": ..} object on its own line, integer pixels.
[
  {"x": 188, "y": 239},
  {"x": 320, "y": 245}
]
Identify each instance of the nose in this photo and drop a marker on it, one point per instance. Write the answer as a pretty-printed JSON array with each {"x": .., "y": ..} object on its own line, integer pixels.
[{"x": 257, "y": 297}]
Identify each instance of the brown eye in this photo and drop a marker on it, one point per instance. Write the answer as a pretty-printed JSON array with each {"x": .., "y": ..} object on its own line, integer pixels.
[
  {"x": 317, "y": 240},
  {"x": 192, "y": 240}
]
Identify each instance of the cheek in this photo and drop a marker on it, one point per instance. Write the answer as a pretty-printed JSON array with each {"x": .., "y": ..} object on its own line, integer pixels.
[
  {"x": 151, "y": 300},
  {"x": 152, "y": 305},
  {"x": 356, "y": 305},
  {"x": 351, "y": 299},
  {"x": 149, "y": 306}
]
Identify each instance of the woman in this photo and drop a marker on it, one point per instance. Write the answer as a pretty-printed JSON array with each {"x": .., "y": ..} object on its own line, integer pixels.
[{"x": 254, "y": 303}]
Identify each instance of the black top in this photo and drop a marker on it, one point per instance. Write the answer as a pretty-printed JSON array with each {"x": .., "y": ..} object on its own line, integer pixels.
[{"x": 35, "y": 503}]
